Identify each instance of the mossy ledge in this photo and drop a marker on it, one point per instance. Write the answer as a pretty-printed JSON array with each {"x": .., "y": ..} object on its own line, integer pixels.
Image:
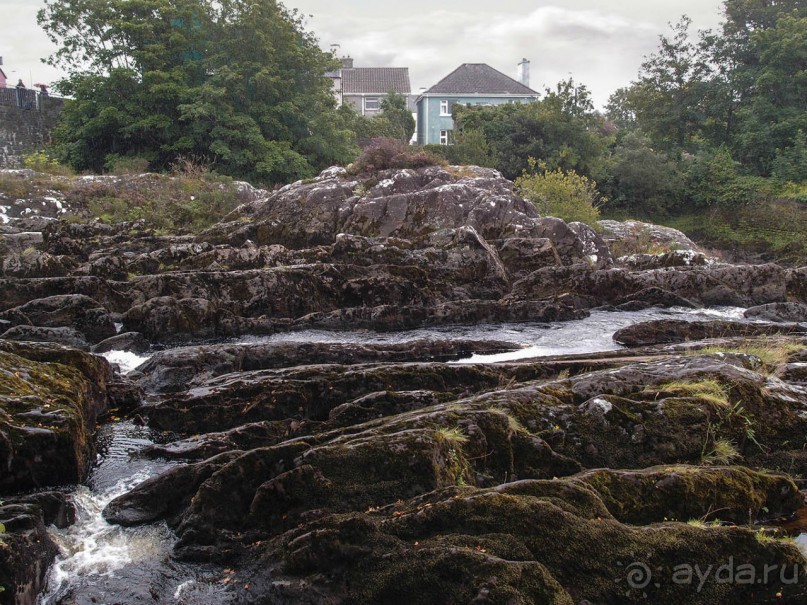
[{"x": 50, "y": 398}]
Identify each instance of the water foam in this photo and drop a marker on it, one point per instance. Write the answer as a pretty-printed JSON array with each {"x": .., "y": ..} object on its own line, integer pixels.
[{"x": 127, "y": 360}]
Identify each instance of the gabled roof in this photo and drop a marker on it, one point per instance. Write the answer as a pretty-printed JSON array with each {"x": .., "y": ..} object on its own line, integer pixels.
[
  {"x": 381, "y": 80},
  {"x": 479, "y": 78}
]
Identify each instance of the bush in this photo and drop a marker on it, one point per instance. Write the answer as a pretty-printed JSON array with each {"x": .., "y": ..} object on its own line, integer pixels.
[
  {"x": 386, "y": 153},
  {"x": 117, "y": 164},
  {"x": 566, "y": 195},
  {"x": 42, "y": 161}
]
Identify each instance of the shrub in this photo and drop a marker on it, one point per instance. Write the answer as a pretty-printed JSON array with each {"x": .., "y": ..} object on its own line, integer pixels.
[
  {"x": 566, "y": 195},
  {"x": 117, "y": 164},
  {"x": 386, "y": 153},
  {"x": 42, "y": 161}
]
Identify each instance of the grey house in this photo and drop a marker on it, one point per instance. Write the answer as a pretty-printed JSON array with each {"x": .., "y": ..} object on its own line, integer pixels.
[
  {"x": 470, "y": 83},
  {"x": 364, "y": 87}
]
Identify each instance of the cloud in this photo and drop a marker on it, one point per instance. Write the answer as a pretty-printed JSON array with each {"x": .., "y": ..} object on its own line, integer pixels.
[
  {"x": 600, "y": 42},
  {"x": 599, "y": 49}
]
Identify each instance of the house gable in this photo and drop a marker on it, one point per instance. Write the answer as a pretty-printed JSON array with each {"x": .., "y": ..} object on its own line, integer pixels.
[
  {"x": 472, "y": 83},
  {"x": 479, "y": 79},
  {"x": 364, "y": 87}
]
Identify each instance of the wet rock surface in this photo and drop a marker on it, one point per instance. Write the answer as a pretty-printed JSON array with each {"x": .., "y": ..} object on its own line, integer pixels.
[
  {"x": 333, "y": 472},
  {"x": 50, "y": 399},
  {"x": 27, "y": 550}
]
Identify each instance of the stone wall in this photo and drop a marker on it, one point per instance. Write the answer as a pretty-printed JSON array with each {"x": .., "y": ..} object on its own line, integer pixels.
[{"x": 26, "y": 130}]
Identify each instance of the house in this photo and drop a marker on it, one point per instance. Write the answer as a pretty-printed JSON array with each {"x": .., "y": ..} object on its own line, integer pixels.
[
  {"x": 470, "y": 83},
  {"x": 364, "y": 87},
  {"x": 3, "y": 78}
]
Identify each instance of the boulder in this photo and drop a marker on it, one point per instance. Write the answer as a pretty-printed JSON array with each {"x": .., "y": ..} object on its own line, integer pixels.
[
  {"x": 33, "y": 263},
  {"x": 636, "y": 236},
  {"x": 678, "y": 330},
  {"x": 69, "y": 310},
  {"x": 180, "y": 368},
  {"x": 167, "y": 318},
  {"x": 50, "y": 399},
  {"x": 782, "y": 312},
  {"x": 26, "y": 548},
  {"x": 395, "y": 203},
  {"x": 68, "y": 337},
  {"x": 133, "y": 342},
  {"x": 594, "y": 245},
  {"x": 673, "y": 258}
]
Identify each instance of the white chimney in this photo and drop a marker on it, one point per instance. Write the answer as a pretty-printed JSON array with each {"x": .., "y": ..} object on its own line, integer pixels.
[{"x": 523, "y": 72}]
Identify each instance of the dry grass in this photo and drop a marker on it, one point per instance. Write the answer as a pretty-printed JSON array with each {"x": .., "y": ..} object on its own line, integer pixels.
[{"x": 706, "y": 389}]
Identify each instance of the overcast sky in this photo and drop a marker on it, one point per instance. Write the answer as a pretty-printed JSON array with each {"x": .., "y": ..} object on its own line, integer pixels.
[{"x": 600, "y": 43}]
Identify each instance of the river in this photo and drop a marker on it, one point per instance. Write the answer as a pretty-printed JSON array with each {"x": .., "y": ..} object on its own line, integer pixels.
[{"x": 102, "y": 563}]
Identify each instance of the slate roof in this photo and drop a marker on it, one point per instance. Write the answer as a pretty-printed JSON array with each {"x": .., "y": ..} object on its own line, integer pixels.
[
  {"x": 357, "y": 80},
  {"x": 479, "y": 78}
]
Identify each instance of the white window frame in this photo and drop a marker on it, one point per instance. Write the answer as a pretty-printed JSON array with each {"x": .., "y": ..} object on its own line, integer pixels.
[
  {"x": 375, "y": 100},
  {"x": 445, "y": 137},
  {"x": 445, "y": 107}
]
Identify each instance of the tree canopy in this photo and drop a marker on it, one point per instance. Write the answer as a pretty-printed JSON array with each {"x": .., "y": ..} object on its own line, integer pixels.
[
  {"x": 238, "y": 83},
  {"x": 561, "y": 130},
  {"x": 744, "y": 87}
]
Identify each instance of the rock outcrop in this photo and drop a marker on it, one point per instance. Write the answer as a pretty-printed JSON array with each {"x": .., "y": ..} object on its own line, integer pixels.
[
  {"x": 50, "y": 399},
  {"x": 386, "y": 473}
]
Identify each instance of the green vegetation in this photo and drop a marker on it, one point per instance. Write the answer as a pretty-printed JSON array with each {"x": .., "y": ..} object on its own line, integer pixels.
[
  {"x": 394, "y": 122},
  {"x": 771, "y": 353},
  {"x": 721, "y": 453},
  {"x": 188, "y": 199},
  {"x": 179, "y": 203},
  {"x": 562, "y": 130},
  {"x": 237, "y": 82},
  {"x": 767, "y": 230},
  {"x": 566, "y": 195},
  {"x": 42, "y": 161}
]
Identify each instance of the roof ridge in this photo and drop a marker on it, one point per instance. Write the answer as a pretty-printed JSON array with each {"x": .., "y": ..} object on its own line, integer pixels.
[{"x": 479, "y": 78}]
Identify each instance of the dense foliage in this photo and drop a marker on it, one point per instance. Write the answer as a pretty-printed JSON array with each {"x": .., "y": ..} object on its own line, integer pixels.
[
  {"x": 237, "y": 82},
  {"x": 566, "y": 195},
  {"x": 730, "y": 106},
  {"x": 714, "y": 119},
  {"x": 394, "y": 122},
  {"x": 562, "y": 129}
]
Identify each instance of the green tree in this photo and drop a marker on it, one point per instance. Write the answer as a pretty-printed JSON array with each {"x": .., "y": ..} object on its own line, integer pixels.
[
  {"x": 237, "y": 82},
  {"x": 394, "y": 122},
  {"x": 394, "y": 110},
  {"x": 641, "y": 179},
  {"x": 561, "y": 130},
  {"x": 667, "y": 97}
]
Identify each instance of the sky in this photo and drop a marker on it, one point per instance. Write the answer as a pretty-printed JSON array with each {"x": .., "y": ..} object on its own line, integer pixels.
[{"x": 600, "y": 43}]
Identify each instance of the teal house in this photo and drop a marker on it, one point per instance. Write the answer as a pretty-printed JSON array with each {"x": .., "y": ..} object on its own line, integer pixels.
[{"x": 470, "y": 83}]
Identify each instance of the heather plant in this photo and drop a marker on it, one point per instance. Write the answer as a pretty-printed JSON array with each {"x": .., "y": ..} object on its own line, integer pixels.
[{"x": 386, "y": 153}]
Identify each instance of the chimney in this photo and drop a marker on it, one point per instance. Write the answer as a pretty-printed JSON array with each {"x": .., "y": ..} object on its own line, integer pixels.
[
  {"x": 347, "y": 62},
  {"x": 523, "y": 72}
]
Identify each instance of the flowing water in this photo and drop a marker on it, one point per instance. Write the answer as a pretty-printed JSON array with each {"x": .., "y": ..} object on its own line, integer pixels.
[{"x": 101, "y": 563}]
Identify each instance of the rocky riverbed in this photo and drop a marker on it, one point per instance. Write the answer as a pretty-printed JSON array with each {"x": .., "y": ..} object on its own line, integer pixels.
[{"x": 347, "y": 395}]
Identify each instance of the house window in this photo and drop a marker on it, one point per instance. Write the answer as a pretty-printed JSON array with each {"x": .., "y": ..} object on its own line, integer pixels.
[
  {"x": 445, "y": 109},
  {"x": 370, "y": 103},
  {"x": 446, "y": 137}
]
